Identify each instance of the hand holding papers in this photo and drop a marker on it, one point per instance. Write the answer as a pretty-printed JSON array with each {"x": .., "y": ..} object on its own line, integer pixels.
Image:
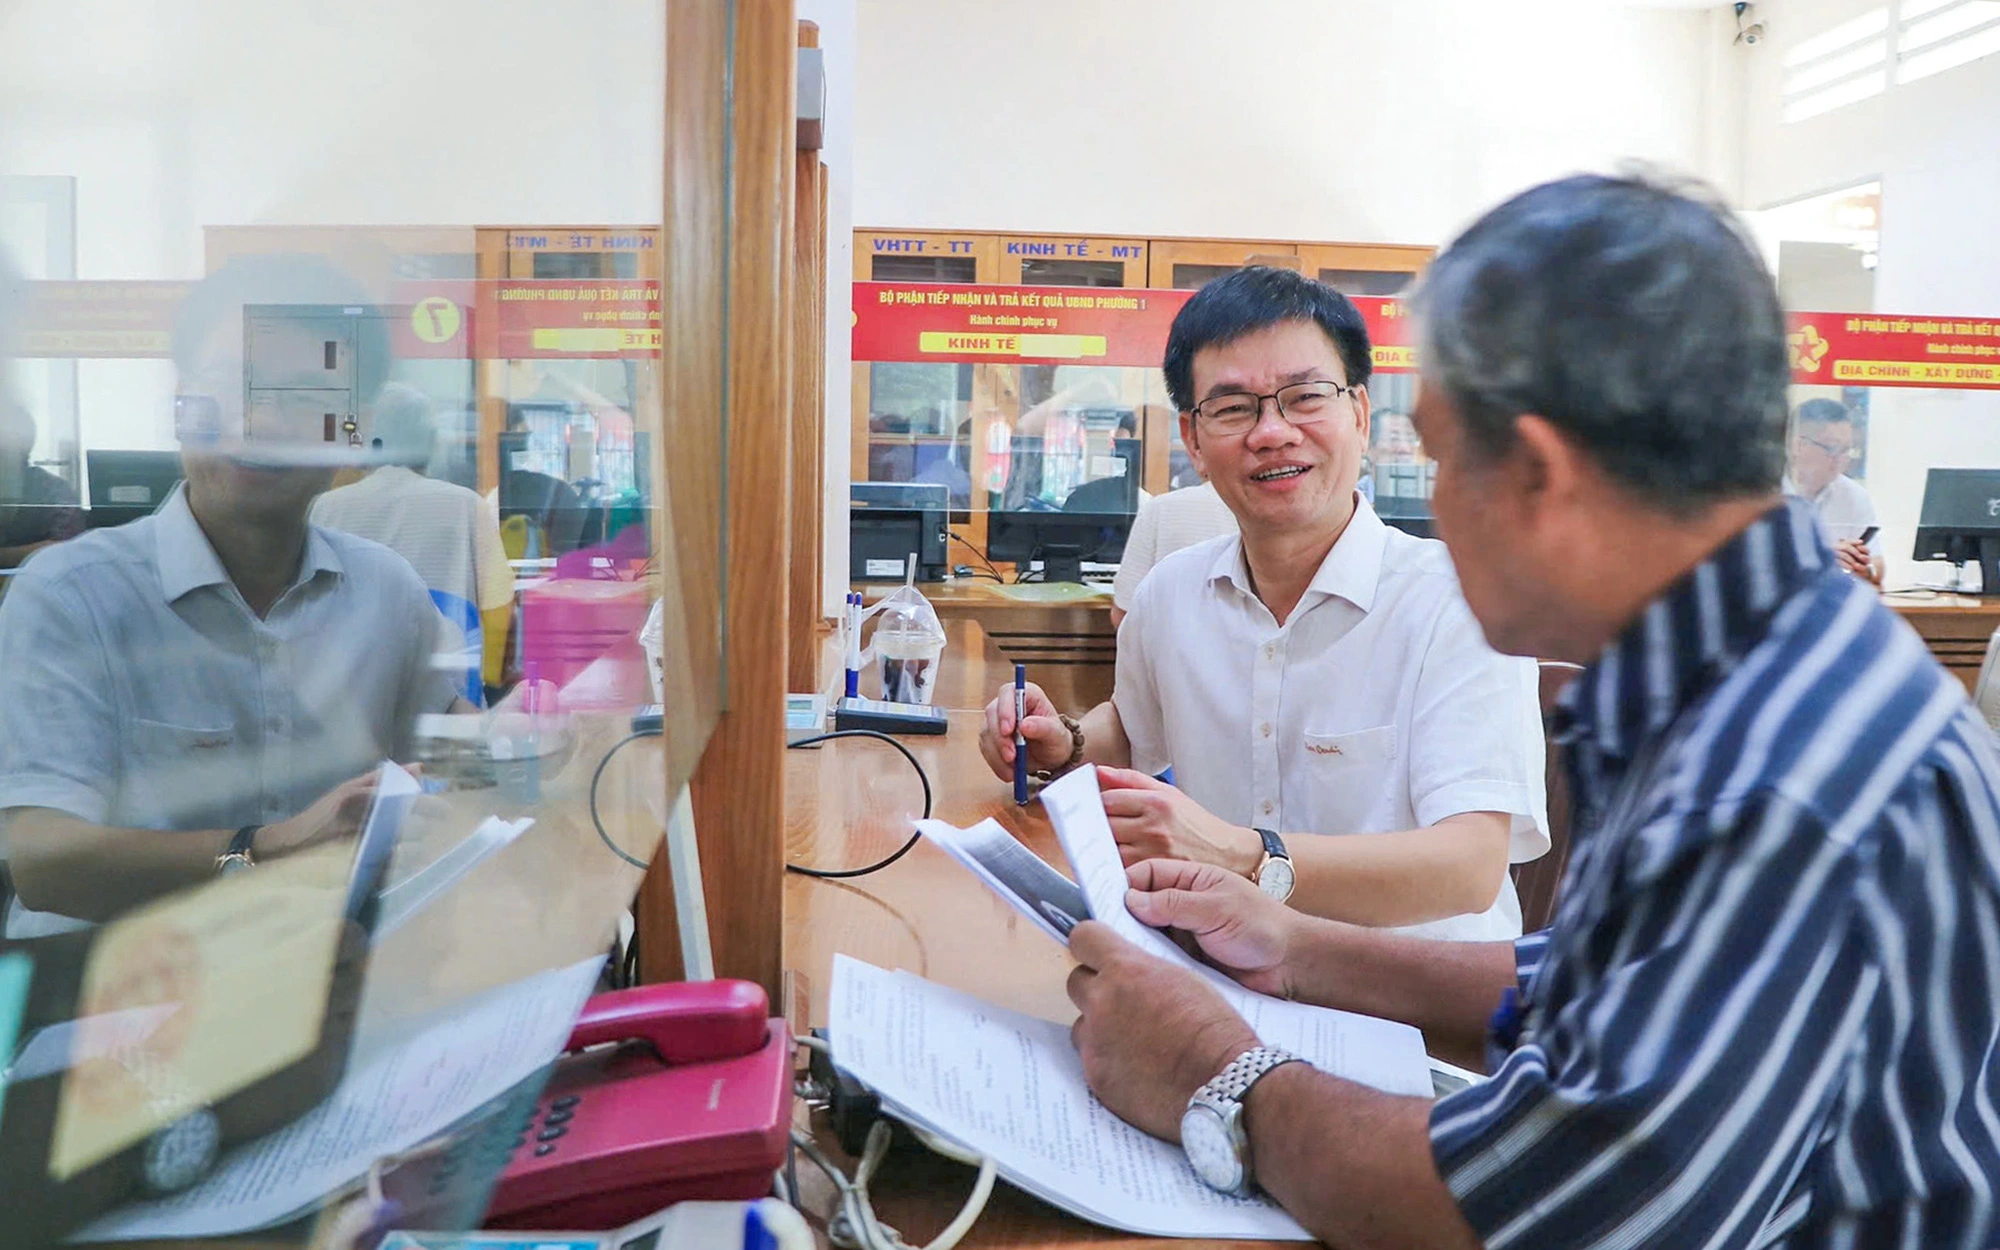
[{"x": 1012, "y": 1087}]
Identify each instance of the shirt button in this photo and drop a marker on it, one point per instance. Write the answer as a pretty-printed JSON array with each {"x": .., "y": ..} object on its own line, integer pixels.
[
  {"x": 1267, "y": 807},
  {"x": 1265, "y": 729},
  {"x": 1270, "y": 650}
]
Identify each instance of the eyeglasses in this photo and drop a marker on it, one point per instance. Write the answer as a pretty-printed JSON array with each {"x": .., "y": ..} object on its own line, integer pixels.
[
  {"x": 1835, "y": 453},
  {"x": 1301, "y": 403}
]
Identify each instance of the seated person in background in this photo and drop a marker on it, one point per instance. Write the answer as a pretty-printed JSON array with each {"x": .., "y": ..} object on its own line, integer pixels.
[
  {"x": 36, "y": 507},
  {"x": 450, "y": 536},
  {"x": 1165, "y": 524},
  {"x": 1821, "y": 448},
  {"x": 219, "y": 675},
  {"x": 1765, "y": 1014},
  {"x": 1317, "y": 684}
]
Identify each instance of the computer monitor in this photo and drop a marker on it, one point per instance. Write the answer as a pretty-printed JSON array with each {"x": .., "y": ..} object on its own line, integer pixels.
[
  {"x": 887, "y": 521},
  {"x": 126, "y": 485},
  {"x": 1062, "y": 541},
  {"x": 1960, "y": 521}
]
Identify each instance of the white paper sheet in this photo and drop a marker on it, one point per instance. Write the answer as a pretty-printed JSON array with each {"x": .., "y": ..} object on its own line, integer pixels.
[
  {"x": 1014, "y": 872},
  {"x": 1381, "y": 1053},
  {"x": 1010, "y": 1087},
  {"x": 403, "y": 1096}
]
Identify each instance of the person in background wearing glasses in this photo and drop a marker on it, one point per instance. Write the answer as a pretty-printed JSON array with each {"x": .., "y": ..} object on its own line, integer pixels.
[
  {"x": 1816, "y": 463},
  {"x": 1339, "y": 730}
]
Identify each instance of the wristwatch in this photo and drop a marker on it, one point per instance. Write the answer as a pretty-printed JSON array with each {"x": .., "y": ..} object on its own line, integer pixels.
[
  {"x": 1274, "y": 874},
  {"x": 238, "y": 857},
  {"x": 1213, "y": 1135}
]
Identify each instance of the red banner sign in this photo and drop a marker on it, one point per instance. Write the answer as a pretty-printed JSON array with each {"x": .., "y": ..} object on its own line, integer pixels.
[
  {"x": 962, "y": 323},
  {"x": 513, "y": 319},
  {"x": 1871, "y": 349},
  {"x": 67, "y": 320}
]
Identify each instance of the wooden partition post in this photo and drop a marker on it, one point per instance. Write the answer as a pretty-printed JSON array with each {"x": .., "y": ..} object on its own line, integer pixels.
[
  {"x": 739, "y": 783},
  {"x": 808, "y": 487}
]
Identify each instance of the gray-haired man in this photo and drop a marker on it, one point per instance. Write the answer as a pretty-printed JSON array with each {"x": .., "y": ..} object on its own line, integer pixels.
[{"x": 1765, "y": 1012}]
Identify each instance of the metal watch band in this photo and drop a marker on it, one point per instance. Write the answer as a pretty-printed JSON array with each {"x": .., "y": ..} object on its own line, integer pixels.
[
  {"x": 1234, "y": 1081},
  {"x": 245, "y": 837},
  {"x": 1274, "y": 846}
]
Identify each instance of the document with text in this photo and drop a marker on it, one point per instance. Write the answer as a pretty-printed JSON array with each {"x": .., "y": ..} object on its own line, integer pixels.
[{"x": 1010, "y": 1087}]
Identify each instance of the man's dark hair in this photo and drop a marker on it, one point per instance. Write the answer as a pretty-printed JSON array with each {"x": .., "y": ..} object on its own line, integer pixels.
[
  {"x": 1249, "y": 300},
  {"x": 1822, "y": 412},
  {"x": 1635, "y": 317}
]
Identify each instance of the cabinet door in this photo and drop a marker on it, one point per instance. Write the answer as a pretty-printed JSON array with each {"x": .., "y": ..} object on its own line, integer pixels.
[
  {"x": 1185, "y": 264},
  {"x": 918, "y": 256},
  {"x": 1071, "y": 260},
  {"x": 1364, "y": 268}
]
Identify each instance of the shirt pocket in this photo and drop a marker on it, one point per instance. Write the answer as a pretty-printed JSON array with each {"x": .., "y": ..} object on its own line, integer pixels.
[
  {"x": 1349, "y": 777},
  {"x": 173, "y": 773}
]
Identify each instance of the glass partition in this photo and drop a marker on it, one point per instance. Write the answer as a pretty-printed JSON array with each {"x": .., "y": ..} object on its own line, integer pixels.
[{"x": 351, "y": 603}]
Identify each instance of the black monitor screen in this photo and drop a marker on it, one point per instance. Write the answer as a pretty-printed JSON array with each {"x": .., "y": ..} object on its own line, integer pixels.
[
  {"x": 132, "y": 479},
  {"x": 1061, "y": 540},
  {"x": 1964, "y": 500}
]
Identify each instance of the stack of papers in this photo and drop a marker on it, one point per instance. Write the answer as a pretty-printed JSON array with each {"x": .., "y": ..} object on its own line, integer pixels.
[{"x": 1011, "y": 1087}]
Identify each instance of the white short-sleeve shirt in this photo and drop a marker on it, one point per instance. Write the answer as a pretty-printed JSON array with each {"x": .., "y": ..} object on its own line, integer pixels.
[
  {"x": 1378, "y": 706},
  {"x": 1165, "y": 524},
  {"x": 1842, "y": 506},
  {"x": 138, "y": 690}
]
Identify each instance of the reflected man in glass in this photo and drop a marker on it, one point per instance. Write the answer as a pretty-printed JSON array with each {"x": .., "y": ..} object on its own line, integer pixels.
[{"x": 221, "y": 675}]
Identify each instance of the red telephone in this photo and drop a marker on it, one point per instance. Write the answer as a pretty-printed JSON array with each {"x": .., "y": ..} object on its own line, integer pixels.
[{"x": 681, "y": 1092}]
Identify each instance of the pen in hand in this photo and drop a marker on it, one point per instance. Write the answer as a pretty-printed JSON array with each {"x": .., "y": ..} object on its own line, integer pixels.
[{"x": 1020, "y": 742}]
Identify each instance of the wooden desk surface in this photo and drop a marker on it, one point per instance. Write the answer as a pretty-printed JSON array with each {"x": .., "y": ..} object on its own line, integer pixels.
[
  {"x": 850, "y": 803},
  {"x": 1955, "y": 627}
]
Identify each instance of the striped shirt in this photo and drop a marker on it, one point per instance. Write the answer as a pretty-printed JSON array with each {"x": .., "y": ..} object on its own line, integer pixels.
[{"x": 1765, "y": 1013}]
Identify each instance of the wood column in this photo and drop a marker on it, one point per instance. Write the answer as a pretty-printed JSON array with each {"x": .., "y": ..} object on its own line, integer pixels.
[
  {"x": 739, "y": 783},
  {"x": 808, "y": 495}
]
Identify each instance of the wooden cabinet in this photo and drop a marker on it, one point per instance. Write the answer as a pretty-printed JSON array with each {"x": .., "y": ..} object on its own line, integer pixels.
[
  {"x": 923, "y": 256},
  {"x": 1071, "y": 260}
]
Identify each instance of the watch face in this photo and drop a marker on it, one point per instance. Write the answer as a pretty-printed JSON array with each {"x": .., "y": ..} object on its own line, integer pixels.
[
  {"x": 1210, "y": 1149},
  {"x": 181, "y": 1153},
  {"x": 1276, "y": 878}
]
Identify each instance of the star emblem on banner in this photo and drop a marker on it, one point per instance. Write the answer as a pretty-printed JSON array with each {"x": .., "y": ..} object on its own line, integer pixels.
[{"x": 1807, "y": 349}]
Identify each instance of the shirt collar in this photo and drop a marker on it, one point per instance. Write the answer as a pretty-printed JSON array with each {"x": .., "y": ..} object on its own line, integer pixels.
[
  {"x": 1350, "y": 571},
  {"x": 1694, "y": 633},
  {"x": 186, "y": 560}
]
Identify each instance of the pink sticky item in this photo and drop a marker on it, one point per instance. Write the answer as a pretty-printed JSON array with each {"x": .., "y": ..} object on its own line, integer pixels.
[{"x": 567, "y": 624}]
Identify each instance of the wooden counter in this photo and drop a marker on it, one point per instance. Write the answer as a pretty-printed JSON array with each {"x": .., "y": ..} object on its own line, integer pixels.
[
  {"x": 1956, "y": 627},
  {"x": 850, "y": 803},
  {"x": 1062, "y": 631}
]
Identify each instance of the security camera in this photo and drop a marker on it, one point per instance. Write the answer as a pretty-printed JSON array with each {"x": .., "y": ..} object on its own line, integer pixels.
[{"x": 1753, "y": 34}]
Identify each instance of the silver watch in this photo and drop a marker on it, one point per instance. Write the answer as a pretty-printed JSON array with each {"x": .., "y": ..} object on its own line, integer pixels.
[{"x": 1213, "y": 1134}]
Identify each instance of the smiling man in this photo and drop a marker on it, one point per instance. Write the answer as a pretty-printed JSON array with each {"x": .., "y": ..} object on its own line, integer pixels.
[
  {"x": 1765, "y": 1013},
  {"x": 1339, "y": 731}
]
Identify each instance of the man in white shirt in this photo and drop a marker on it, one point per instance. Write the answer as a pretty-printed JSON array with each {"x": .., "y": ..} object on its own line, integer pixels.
[
  {"x": 213, "y": 684},
  {"x": 1319, "y": 675},
  {"x": 1821, "y": 448},
  {"x": 1165, "y": 524},
  {"x": 450, "y": 535}
]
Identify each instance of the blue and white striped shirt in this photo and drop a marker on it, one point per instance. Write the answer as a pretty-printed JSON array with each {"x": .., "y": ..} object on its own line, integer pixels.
[{"x": 1765, "y": 1013}]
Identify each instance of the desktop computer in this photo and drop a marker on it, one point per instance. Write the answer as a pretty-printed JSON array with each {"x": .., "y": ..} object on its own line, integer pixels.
[
  {"x": 126, "y": 485},
  {"x": 1960, "y": 521},
  {"x": 1062, "y": 541},
  {"x": 888, "y": 521}
]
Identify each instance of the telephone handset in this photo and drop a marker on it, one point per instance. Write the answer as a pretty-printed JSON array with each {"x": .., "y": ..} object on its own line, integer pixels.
[{"x": 671, "y": 1093}]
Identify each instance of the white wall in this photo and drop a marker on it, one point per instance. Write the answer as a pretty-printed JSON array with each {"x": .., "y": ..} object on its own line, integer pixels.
[
  {"x": 178, "y": 114},
  {"x": 1936, "y": 149},
  {"x": 1315, "y": 119}
]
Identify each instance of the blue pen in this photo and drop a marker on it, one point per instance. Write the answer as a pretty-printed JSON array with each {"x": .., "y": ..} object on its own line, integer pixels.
[
  {"x": 1020, "y": 743},
  {"x": 853, "y": 645}
]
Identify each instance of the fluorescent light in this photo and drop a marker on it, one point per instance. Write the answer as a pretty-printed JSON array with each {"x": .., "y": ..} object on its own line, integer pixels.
[
  {"x": 1953, "y": 21},
  {"x": 1837, "y": 67},
  {"x": 1873, "y": 22},
  {"x": 1854, "y": 89},
  {"x": 1946, "y": 55}
]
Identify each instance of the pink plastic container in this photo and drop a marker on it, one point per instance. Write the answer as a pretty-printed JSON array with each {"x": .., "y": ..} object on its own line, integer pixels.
[{"x": 567, "y": 623}]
